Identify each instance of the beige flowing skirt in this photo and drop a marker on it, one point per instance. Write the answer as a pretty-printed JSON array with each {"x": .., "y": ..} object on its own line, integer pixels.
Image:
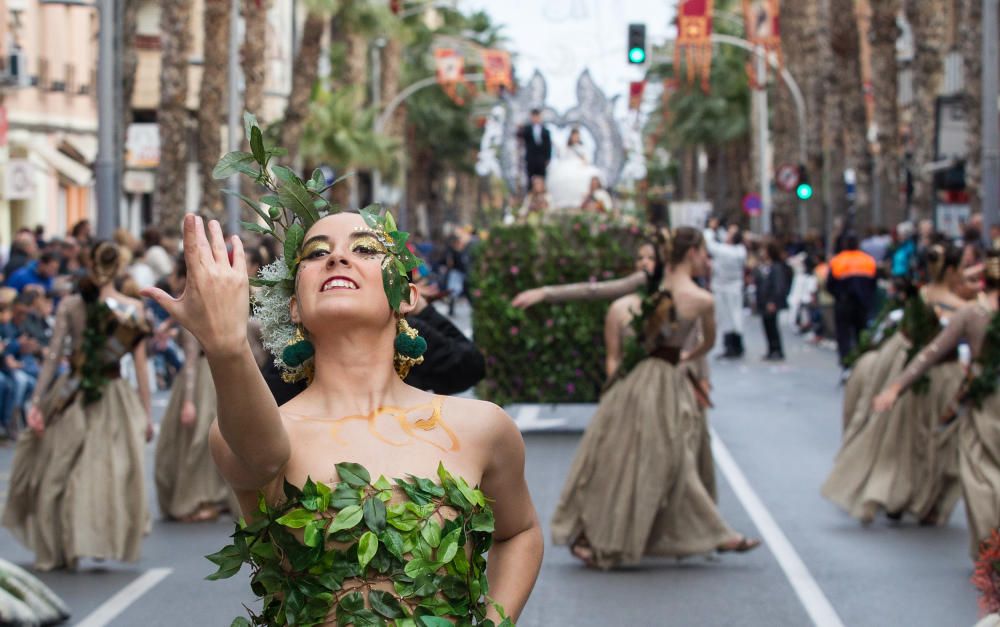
[
  {"x": 77, "y": 490},
  {"x": 870, "y": 375},
  {"x": 979, "y": 470},
  {"x": 186, "y": 476},
  {"x": 634, "y": 488},
  {"x": 901, "y": 460}
]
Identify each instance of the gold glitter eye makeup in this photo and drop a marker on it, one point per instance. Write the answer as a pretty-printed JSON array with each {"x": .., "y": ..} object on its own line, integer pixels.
[
  {"x": 314, "y": 249},
  {"x": 369, "y": 246}
]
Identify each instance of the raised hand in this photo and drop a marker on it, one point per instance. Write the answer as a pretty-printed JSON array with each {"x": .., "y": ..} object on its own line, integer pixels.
[
  {"x": 215, "y": 304},
  {"x": 529, "y": 298},
  {"x": 885, "y": 400},
  {"x": 188, "y": 414}
]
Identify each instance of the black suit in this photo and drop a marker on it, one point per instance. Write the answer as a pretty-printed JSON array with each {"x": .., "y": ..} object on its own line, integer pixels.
[{"x": 536, "y": 154}]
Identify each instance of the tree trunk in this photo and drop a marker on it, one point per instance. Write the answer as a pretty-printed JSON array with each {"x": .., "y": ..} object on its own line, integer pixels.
[
  {"x": 847, "y": 51},
  {"x": 130, "y": 62},
  {"x": 253, "y": 56},
  {"x": 303, "y": 80},
  {"x": 211, "y": 108},
  {"x": 885, "y": 87},
  {"x": 171, "y": 177},
  {"x": 972, "y": 49},
  {"x": 929, "y": 20},
  {"x": 785, "y": 125},
  {"x": 254, "y": 53}
]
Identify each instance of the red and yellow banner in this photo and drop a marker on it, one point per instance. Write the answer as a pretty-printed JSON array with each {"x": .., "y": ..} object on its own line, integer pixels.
[
  {"x": 497, "y": 72},
  {"x": 694, "y": 40},
  {"x": 763, "y": 26},
  {"x": 450, "y": 71}
]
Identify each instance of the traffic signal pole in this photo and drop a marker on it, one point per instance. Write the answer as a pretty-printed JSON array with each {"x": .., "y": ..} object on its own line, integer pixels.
[{"x": 763, "y": 139}]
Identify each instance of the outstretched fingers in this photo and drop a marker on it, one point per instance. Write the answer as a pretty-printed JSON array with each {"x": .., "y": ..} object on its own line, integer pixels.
[
  {"x": 168, "y": 302},
  {"x": 239, "y": 257},
  {"x": 218, "y": 243}
]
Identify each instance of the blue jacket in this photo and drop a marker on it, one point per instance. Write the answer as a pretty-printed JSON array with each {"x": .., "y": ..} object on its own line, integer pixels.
[
  {"x": 902, "y": 259},
  {"x": 28, "y": 275}
]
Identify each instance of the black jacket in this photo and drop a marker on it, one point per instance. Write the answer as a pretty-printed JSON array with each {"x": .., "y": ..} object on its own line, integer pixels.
[
  {"x": 773, "y": 281},
  {"x": 536, "y": 155},
  {"x": 452, "y": 363}
]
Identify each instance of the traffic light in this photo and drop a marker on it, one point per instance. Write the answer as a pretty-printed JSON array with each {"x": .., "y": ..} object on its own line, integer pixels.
[
  {"x": 804, "y": 190},
  {"x": 637, "y": 44}
]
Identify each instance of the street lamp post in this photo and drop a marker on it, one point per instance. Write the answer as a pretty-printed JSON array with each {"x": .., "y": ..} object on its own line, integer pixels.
[
  {"x": 108, "y": 114},
  {"x": 991, "y": 125}
]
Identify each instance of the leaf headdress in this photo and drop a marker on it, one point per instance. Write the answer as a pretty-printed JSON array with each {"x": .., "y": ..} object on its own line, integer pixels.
[{"x": 287, "y": 211}]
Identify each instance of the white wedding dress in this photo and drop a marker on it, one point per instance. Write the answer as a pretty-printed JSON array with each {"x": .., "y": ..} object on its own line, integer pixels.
[{"x": 568, "y": 180}]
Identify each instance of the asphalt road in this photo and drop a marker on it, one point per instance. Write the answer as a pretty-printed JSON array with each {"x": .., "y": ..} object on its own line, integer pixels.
[{"x": 780, "y": 426}]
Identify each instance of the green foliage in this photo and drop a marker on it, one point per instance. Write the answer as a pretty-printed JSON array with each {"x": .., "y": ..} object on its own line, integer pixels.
[
  {"x": 417, "y": 567},
  {"x": 920, "y": 325},
  {"x": 987, "y": 366},
  {"x": 549, "y": 353},
  {"x": 341, "y": 130},
  {"x": 95, "y": 336}
]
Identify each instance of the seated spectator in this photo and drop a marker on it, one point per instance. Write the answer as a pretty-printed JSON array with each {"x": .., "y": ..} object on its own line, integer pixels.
[
  {"x": 19, "y": 368},
  {"x": 23, "y": 249},
  {"x": 39, "y": 272},
  {"x": 31, "y": 313}
]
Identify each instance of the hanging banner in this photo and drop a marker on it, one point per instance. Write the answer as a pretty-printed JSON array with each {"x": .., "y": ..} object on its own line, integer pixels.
[
  {"x": 497, "y": 72},
  {"x": 763, "y": 26},
  {"x": 694, "y": 40},
  {"x": 635, "y": 91},
  {"x": 450, "y": 71}
]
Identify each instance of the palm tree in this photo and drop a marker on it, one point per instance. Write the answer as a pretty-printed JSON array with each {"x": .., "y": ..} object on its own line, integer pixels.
[
  {"x": 303, "y": 81},
  {"x": 971, "y": 13},
  {"x": 929, "y": 20},
  {"x": 884, "y": 34},
  {"x": 254, "y": 54},
  {"x": 211, "y": 106},
  {"x": 175, "y": 43}
]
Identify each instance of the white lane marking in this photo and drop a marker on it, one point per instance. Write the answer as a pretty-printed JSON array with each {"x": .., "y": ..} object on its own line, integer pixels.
[
  {"x": 805, "y": 586},
  {"x": 110, "y": 609},
  {"x": 528, "y": 420}
]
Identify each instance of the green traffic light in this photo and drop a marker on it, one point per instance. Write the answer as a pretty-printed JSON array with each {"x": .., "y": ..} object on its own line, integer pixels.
[
  {"x": 804, "y": 191},
  {"x": 637, "y": 55}
]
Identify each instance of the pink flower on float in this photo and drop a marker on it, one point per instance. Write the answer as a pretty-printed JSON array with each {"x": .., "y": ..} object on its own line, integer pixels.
[
  {"x": 477, "y": 293},
  {"x": 514, "y": 270},
  {"x": 514, "y": 330},
  {"x": 570, "y": 388},
  {"x": 578, "y": 372},
  {"x": 550, "y": 323}
]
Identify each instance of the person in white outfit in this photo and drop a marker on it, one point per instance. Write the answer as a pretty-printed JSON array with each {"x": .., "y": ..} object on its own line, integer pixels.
[{"x": 729, "y": 259}]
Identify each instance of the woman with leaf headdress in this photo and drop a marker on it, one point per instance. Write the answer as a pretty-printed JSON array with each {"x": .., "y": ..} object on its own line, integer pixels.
[
  {"x": 634, "y": 488},
  {"x": 77, "y": 486},
  {"x": 352, "y": 513},
  {"x": 904, "y": 460},
  {"x": 978, "y": 323}
]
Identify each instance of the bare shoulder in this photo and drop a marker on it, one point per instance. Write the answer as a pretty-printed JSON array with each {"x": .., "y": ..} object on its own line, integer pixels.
[{"x": 486, "y": 422}]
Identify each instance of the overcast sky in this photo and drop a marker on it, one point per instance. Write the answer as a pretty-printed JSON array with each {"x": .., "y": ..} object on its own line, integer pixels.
[{"x": 561, "y": 38}]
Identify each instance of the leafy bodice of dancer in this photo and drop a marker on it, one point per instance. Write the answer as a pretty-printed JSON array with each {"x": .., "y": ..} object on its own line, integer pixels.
[{"x": 406, "y": 553}]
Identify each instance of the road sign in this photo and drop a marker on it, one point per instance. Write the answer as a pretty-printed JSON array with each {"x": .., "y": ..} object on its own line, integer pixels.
[
  {"x": 788, "y": 177},
  {"x": 752, "y": 204}
]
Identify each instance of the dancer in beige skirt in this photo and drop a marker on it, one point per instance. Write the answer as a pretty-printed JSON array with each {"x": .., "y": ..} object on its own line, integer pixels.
[
  {"x": 903, "y": 460},
  {"x": 618, "y": 331},
  {"x": 979, "y": 428},
  {"x": 76, "y": 486},
  {"x": 189, "y": 487},
  {"x": 634, "y": 487}
]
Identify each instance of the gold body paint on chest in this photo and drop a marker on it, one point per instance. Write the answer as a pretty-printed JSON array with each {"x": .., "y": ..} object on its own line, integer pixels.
[{"x": 401, "y": 416}]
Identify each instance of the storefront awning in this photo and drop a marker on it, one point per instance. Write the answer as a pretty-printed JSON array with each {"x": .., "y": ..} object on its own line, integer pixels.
[{"x": 77, "y": 173}]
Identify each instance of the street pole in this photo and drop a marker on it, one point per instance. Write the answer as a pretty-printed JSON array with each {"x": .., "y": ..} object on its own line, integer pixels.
[
  {"x": 232, "y": 202},
  {"x": 991, "y": 125},
  {"x": 105, "y": 164},
  {"x": 763, "y": 138}
]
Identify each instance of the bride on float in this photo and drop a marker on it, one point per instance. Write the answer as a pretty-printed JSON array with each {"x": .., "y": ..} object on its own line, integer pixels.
[{"x": 569, "y": 177}]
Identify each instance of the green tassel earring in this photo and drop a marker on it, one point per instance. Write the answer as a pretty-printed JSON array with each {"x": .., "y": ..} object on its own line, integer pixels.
[{"x": 298, "y": 351}]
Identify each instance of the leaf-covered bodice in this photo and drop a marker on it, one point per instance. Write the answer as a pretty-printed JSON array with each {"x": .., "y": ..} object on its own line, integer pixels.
[{"x": 411, "y": 553}]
